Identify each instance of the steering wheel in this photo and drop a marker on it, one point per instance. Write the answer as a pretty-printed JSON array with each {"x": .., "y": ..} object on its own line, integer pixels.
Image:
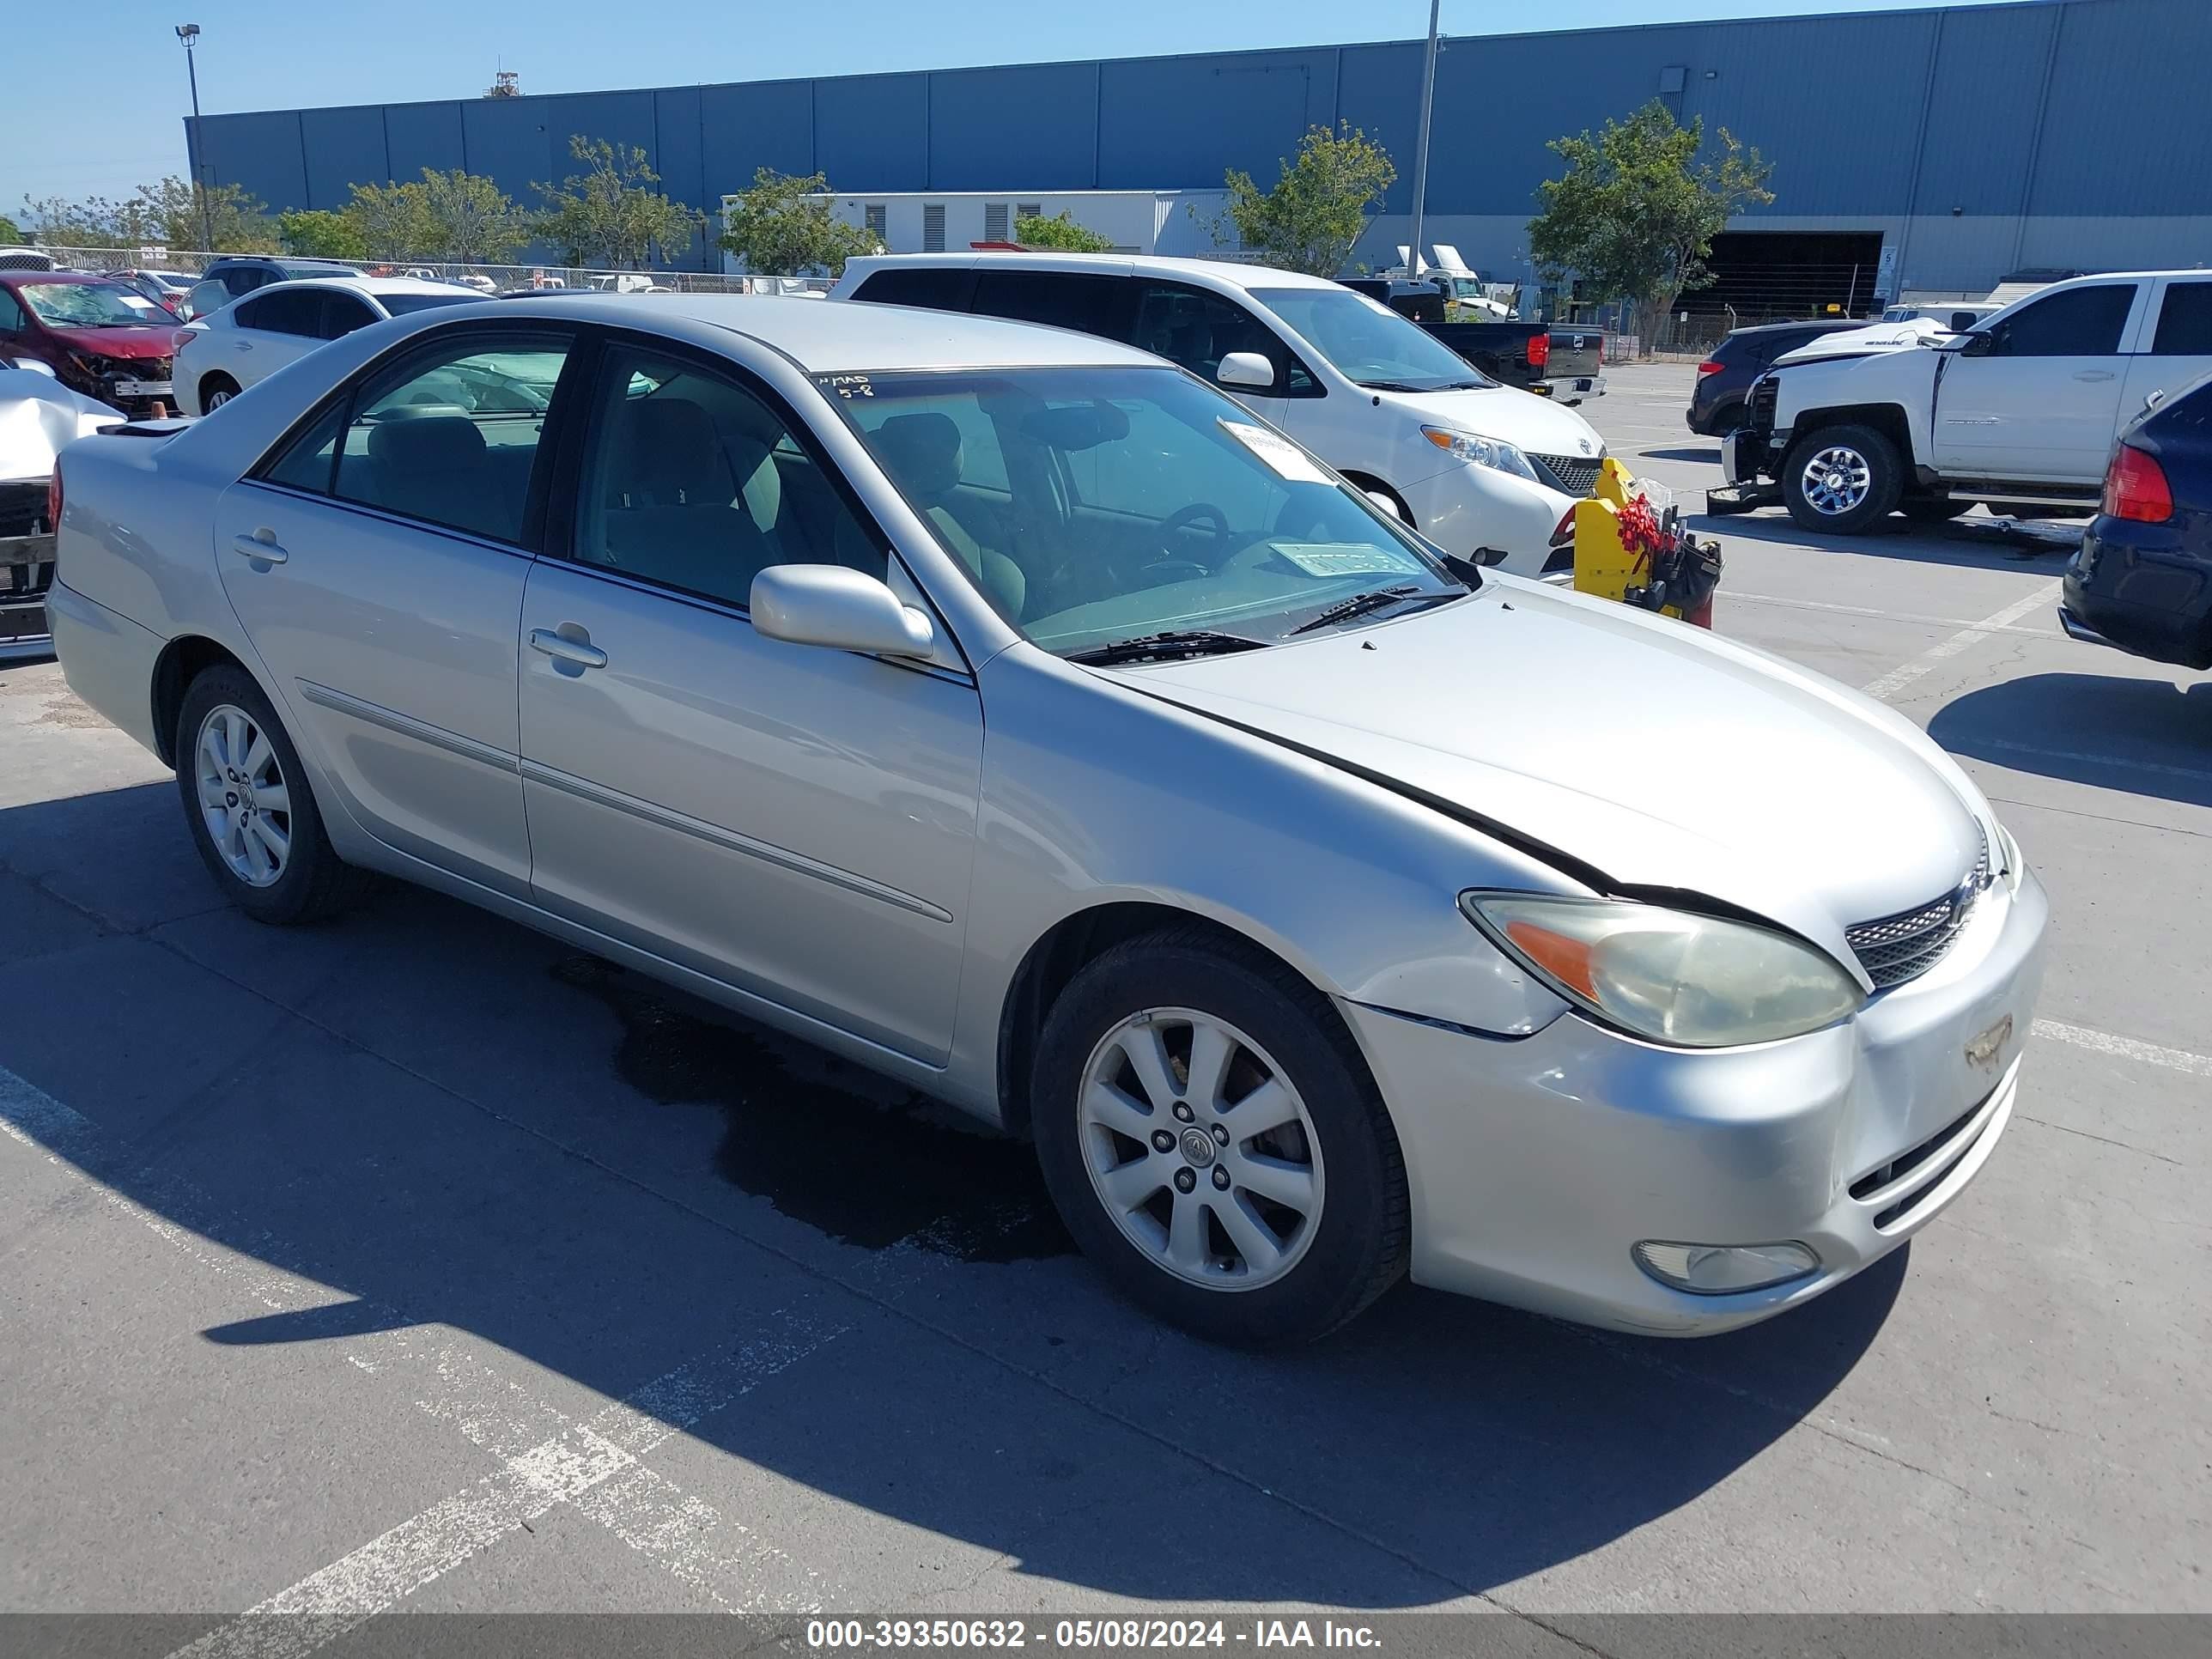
[{"x": 1171, "y": 566}]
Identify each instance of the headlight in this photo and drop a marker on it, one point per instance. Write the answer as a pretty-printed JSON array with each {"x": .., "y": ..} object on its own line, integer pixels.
[
  {"x": 2016, "y": 866},
  {"x": 1481, "y": 452},
  {"x": 1673, "y": 976}
]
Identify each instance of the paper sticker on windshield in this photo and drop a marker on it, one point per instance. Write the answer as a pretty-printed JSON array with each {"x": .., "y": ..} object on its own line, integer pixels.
[
  {"x": 1285, "y": 457},
  {"x": 1349, "y": 559}
]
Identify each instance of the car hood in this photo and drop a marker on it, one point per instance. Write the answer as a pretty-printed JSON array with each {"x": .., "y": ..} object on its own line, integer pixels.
[
  {"x": 1863, "y": 342},
  {"x": 152, "y": 341},
  {"x": 1657, "y": 755},
  {"x": 1536, "y": 424}
]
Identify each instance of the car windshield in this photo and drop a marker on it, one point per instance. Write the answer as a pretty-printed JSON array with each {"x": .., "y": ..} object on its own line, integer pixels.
[
  {"x": 1369, "y": 342},
  {"x": 85, "y": 304},
  {"x": 402, "y": 305},
  {"x": 1097, "y": 505}
]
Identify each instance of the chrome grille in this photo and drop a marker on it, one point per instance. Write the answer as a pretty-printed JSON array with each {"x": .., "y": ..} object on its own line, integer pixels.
[
  {"x": 1895, "y": 949},
  {"x": 1571, "y": 474}
]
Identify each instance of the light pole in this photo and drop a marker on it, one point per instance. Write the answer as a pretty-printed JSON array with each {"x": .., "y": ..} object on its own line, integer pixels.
[
  {"x": 189, "y": 32},
  {"x": 1421, "y": 145}
]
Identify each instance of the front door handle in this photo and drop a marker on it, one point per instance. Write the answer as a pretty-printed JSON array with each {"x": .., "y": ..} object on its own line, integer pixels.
[
  {"x": 2093, "y": 374},
  {"x": 261, "y": 546},
  {"x": 582, "y": 653}
]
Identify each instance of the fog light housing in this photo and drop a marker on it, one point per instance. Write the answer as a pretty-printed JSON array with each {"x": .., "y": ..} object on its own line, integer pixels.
[{"x": 1725, "y": 1269}]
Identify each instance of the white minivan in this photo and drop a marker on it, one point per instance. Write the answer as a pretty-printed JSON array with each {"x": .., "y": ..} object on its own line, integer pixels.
[{"x": 1483, "y": 470}]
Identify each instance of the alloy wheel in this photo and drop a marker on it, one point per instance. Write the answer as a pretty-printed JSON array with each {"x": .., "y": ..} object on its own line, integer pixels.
[
  {"x": 1201, "y": 1149},
  {"x": 1837, "y": 480},
  {"x": 244, "y": 800}
]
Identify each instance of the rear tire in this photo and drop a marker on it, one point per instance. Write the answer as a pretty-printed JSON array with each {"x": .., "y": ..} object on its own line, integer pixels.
[
  {"x": 1841, "y": 480},
  {"x": 249, "y": 808},
  {"x": 216, "y": 391},
  {"x": 1294, "y": 1217}
]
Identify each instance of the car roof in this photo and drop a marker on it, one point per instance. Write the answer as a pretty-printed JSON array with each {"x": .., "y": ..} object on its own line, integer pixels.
[
  {"x": 834, "y": 337},
  {"x": 1809, "y": 322},
  {"x": 1230, "y": 272},
  {"x": 367, "y": 285}
]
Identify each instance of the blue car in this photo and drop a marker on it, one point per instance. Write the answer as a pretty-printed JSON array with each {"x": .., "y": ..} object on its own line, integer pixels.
[{"x": 2142, "y": 580}]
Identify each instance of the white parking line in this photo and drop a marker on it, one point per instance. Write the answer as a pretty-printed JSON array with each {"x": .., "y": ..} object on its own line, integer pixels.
[
  {"x": 1936, "y": 655},
  {"x": 1884, "y": 616},
  {"x": 547, "y": 1459},
  {"x": 2104, "y": 1042}
]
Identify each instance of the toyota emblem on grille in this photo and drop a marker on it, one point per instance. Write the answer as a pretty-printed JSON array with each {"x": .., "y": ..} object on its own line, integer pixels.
[{"x": 1584, "y": 442}]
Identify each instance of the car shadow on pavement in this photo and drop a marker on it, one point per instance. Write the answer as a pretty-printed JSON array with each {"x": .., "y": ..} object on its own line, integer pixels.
[
  {"x": 1970, "y": 544},
  {"x": 448, "y": 1124},
  {"x": 2148, "y": 736},
  {"x": 1698, "y": 452}
]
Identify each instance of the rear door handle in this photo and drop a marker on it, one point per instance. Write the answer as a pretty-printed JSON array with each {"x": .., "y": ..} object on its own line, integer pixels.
[
  {"x": 261, "y": 546},
  {"x": 582, "y": 653},
  {"x": 2093, "y": 374}
]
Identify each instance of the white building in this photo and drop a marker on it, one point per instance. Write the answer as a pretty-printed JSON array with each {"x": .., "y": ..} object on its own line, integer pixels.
[{"x": 1171, "y": 222}]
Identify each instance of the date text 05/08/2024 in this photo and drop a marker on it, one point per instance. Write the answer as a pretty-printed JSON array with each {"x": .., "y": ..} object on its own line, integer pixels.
[{"x": 832, "y": 1635}]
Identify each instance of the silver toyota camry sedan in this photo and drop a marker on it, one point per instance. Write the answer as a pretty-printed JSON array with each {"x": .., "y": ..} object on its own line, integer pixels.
[{"x": 1015, "y": 713}]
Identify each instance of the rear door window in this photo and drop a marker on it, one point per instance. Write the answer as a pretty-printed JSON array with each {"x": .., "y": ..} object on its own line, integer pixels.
[
  {"x": 284, "y": 310},
  {"x": 450, "y": 435},
  {"x": 1089, "y": 303},
  {"x": 2184, "y": 321}
]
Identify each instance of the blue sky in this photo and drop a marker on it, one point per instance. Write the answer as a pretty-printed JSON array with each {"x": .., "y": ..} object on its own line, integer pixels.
[{"x": 60, "y": 136}]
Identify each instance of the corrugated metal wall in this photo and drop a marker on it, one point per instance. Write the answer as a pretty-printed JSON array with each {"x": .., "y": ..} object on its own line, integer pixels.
[{"x": 2064, "y": 107}]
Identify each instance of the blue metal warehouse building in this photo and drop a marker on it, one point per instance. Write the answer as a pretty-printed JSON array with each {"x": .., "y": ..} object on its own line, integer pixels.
[{"x": 1948, "y": 148}]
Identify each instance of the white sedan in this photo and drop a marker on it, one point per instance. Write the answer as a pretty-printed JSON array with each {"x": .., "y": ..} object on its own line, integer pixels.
[{"x": 218, "y": 356}]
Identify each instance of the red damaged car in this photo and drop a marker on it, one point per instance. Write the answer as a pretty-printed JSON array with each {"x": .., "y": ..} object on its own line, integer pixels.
[{"x": 99, "y": 337}]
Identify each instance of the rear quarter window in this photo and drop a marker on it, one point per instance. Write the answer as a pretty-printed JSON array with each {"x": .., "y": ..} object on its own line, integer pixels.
[{"x": 933, "y": 288}]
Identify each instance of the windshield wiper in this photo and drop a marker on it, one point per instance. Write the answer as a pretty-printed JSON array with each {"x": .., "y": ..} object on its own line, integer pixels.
[
  {"x": 1183, "y": 643},
  {"x": 1359, "y": 603},
  {"x": 1395, "y": 386}
]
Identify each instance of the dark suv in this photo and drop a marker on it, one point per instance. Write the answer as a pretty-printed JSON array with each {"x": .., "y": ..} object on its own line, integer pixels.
[
  {"x": 1724, "y": 379},
  {"x": 234, "y": 274},
  {"x": 2142, "y": 580}
]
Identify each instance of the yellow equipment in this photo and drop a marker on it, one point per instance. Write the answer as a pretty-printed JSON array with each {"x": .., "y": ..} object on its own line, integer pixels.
[{"x": 1604, "y": 566}]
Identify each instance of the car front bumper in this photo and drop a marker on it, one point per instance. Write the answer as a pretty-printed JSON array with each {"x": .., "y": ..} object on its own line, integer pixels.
[
  {"x": 1537, "y": 1163},
  {"x": 1474, "y": 511}
]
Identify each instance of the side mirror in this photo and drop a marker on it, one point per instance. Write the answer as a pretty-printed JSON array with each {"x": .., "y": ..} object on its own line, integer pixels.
[
  {"x": 1245, "y": 368},
  {"x": 829, "y": 605},
  {"x": 1978, "y": 345},
  {"x": 1385, "y": 503}
]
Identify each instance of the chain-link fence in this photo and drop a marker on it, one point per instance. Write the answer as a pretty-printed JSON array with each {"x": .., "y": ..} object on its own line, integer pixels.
[{"x": 490, "y": 278}]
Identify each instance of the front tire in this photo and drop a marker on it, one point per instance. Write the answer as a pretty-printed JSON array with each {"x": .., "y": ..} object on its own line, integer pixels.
[
  {"x": 1213, "y": 1140},
  {"x": 1843, "y": 479},
  {"x": 249, "y": 807}
]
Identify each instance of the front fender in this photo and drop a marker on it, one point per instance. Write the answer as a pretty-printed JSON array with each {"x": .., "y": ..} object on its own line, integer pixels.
[{"x": 1095, "y": 793}]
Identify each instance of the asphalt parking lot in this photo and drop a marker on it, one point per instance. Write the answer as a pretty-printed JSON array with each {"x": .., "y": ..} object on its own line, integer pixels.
[{"x": 415, "y": 1263}]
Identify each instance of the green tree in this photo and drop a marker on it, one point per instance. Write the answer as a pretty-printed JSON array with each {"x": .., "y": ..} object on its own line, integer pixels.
[
  {"x": 392, "y": 221},
  {"x": 783, "y": 226},
  {"x": 609, "y": 213},
  {"x": 171, "y": 213},
  {"x": 321, "y": 234},
  {"x": 61, "y": 221},
  {"x": 1638, "y": 209},
  {"x": 8, "y": 234},
  {"x": 1314, "y": 216},
  {"x": 1060, "y": 231},
  {"x": 469, "y": 219}
]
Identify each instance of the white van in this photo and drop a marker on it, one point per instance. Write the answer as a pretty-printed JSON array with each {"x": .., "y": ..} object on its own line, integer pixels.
[{"x": 1483, "y": 470}]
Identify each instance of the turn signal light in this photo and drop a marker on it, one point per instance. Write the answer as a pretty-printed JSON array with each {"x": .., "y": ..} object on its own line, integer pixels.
[
  {"x": 178, "y": 338},
  {"x": 2135, "y": 487}
]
